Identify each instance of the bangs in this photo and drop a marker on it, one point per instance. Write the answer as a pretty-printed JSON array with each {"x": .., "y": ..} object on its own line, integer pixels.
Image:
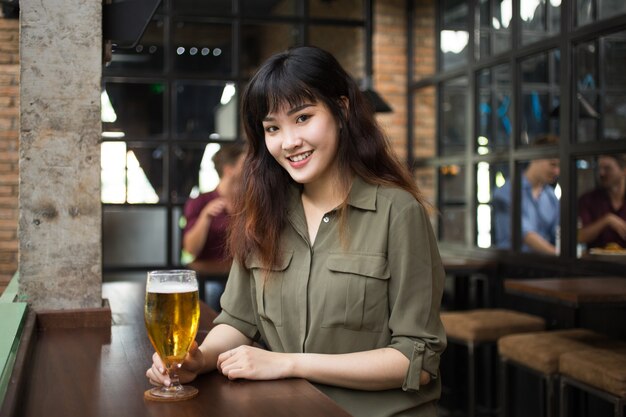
[{"x": 276, "y": 89}]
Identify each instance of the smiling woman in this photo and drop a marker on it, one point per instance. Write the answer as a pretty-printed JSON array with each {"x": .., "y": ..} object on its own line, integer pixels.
[{"x": 336, "y": 268}]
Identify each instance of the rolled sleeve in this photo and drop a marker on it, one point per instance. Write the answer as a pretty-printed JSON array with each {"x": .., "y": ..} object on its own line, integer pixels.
[
  {"x": 415, "y": 292},
  {"x": 238, "y": 305}
]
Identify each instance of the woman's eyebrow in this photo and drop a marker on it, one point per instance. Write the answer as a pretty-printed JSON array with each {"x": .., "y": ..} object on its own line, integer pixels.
[{"x": 290, "y": 112}]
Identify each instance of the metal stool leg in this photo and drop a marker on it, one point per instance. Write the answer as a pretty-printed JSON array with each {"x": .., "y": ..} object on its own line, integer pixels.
[
  {"x": 504, "y": 387},
  {"x": 563, "y": 406},
  {"x": 471, "y": 376}
]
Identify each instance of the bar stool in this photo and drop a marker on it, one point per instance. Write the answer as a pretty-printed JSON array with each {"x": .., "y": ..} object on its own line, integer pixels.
[
  {"x": 600, "y": 372},
  {"x": 539, "y": 353},
  {"x": 483, "y": 327}
]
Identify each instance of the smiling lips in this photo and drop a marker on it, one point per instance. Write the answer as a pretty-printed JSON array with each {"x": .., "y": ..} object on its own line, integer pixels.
[{"x": 299, "y": 158}]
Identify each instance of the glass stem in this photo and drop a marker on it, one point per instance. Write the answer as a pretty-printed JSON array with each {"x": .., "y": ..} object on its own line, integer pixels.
[{"x": 172, "y": 372}]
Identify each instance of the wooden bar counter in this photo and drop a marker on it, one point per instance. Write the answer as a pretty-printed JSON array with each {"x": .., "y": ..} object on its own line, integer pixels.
[{"x": 100, "y": 371}]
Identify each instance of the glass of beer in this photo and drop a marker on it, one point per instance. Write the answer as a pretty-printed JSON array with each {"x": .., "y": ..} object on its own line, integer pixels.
[{"x": 171, "y": 314}]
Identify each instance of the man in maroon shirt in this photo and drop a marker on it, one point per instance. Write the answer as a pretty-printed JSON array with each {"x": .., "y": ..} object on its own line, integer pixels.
[
  {"x": 207, "y": 215},
  {"x": 602, "y": 211}
]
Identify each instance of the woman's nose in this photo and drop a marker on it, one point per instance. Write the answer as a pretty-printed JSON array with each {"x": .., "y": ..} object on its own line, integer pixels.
[{"x": 291, "y": 139}]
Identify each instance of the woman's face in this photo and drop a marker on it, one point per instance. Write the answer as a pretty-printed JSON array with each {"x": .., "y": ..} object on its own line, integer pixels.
[{"x": 303, "y": 140}]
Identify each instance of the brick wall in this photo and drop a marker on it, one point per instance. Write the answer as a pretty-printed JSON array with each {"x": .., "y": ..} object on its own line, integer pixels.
[
  {"x": 9, "y": 138},
  {"x": 390, "y": 61}
]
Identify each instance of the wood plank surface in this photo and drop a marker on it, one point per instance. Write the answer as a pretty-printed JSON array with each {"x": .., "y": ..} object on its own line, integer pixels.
[
  {"x": 574, "y": 291},
  {"x": 101, "y": 372}
]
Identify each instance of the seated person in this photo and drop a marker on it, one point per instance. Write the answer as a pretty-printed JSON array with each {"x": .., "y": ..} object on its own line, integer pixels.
[
  {"x": 602, "y": 211},
  {"x": 539, "y": 206},
  {"x": 204, "y": 236}
]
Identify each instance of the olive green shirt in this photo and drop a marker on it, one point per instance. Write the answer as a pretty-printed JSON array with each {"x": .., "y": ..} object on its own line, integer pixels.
[{"x": 383, "y": 289}]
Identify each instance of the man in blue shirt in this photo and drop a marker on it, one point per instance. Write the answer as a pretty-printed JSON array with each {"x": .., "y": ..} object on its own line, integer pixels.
[{"x": 539, "y": 206}]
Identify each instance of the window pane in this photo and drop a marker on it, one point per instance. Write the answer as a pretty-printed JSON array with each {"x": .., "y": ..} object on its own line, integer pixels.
[
  {"x": 539, "y": 209},
  {"x": 131, "y": 173},
  {"x": 540, "y": 18},
  {"x": 425, "y": 178},
  {"x": 588, "y": 11},
  {"x": 192, "y": 171},
  {"x": 453, "y": 116},
  {"x": 134, "y": 236},
  {"x": 424, "y": 123},
  {"x": 494, "y": 109},
  {"x": 597, "y": 177},
  {"x": 424, "y": 64},
  {"x": 202, "y": 47},
  {"x": 601, "y": 95},
  {"x": 454, "y": 35},
  {"x": 492, "y": 230},
  {"x": 259, "y": 42},
  {"x": 203, "y": 7},
  {"x": 337, "y": 9},
  {"x": 134, "y": 109},
  {"x": 493, "y": 22},
  {"x": 347, "y": 44},
  {"x": 540, "y": 96},
  {"x": 452, "y": 202},
  {"x": 148, "y": 54},
  {"x": 206, "y": 111}
]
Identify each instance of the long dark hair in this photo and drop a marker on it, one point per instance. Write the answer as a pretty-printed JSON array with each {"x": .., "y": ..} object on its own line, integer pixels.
[{"x": 299, "y": 75}]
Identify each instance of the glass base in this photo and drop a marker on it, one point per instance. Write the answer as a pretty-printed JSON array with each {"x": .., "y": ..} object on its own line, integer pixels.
[{"x": 174, "y": 393}]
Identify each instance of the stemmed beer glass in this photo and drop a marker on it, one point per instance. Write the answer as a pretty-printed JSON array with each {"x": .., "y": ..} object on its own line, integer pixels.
[{"x": 171, "y": 314}]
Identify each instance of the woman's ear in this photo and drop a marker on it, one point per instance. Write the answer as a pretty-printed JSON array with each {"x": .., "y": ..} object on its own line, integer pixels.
[{"x": 344, "y": 103}]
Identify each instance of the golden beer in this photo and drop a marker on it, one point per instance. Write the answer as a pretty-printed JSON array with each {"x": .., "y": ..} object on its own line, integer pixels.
[{"x": 171, "y": 314}]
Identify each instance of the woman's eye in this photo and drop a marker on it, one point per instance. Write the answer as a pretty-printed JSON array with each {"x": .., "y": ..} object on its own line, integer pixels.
[
  {"x": 302, "y": 118},
  {"x": 271, "y": 129}
]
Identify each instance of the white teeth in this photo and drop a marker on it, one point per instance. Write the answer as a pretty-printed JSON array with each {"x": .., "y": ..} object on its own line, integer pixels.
[{"x": 300, "y": 157}]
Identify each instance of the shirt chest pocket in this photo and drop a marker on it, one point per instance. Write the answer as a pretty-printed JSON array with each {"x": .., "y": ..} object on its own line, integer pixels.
[
  {"x": 356, "y": 292},
  {"x": 269, "y": 287}
]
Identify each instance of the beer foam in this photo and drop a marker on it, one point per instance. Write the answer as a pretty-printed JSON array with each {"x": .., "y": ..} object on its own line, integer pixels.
[{"x": 172, "y": 287}]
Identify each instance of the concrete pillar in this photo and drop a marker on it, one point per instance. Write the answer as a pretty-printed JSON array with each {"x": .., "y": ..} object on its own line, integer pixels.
[{"x": 60, "y": 250}]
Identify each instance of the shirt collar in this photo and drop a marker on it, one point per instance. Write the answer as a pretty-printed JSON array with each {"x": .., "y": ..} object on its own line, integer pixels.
[{"x": 362, "y": 195}]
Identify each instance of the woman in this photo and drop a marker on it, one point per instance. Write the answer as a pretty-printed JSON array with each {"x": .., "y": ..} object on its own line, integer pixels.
[{"x": 336, "y": 267}]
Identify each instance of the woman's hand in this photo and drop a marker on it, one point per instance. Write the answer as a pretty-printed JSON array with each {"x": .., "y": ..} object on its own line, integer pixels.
[
  {"x": 253, "y": 363},
  {"x": 191, "y": 366}
]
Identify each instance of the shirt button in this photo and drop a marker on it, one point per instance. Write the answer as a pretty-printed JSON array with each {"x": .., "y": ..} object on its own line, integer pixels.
[{"x": 326, "y": 219}]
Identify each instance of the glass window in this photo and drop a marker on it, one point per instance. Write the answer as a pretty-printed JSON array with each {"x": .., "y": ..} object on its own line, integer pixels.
[
  {"x": 347, "y": 44},
  {"x": 454, "y": 35},
  {"x": 203, "y": 7},
  {"x": 147, "y": 55},
  {"x": 193, "y": 170},
  {"x": 452, "y": 202},
  {"x": 259, "y": 42},
  {"x": 177, "y": 225},
  {"x": 206, "y": 111},
  {"x": 424, "y": 56},
  {"x": 202, "y": 47},
  {"x": 424, "y": 123},
  {"x": 345, "y": 9},
  {"x": 540, "y": 18},
  {"x": 133, "y": 110},
  {"x": 588, "y": 11},
  {"x": 453, "y": 113},
  {"x": 599, "y": 180},
  {"x": 493, "y": 208},
  {"x": 601, "y": 95},
  {"x": 540, "y": 96},
  {"x": 134, "y": 236},
  {"x": 493, "y": 23},
  {"x": 494, "y": 109},
  {"x": 132, "y": 173}
]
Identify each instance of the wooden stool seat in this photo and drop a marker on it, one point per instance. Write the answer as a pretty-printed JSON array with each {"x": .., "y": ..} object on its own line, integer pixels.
[
  {"x": 541, "y": 350},
  {"x": 488, "y": 325},
  {"x": 482, "y": 328},
  {"x": 603, "y": 368}
]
